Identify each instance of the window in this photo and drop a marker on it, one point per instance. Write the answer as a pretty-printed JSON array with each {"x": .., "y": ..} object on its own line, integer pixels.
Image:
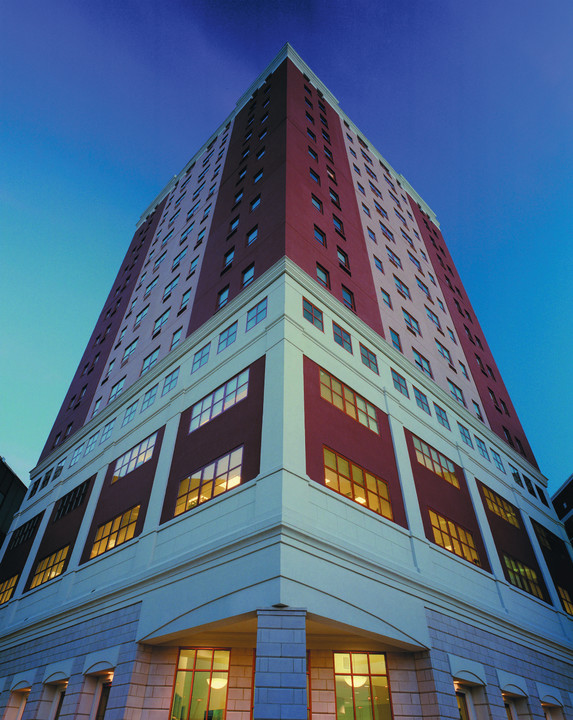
[
  {"x": 227, "y": 337},
  {"x": 334, "y": 197},
  {"x": 522, "y": 576},
  {"x": 255, "y": 203},
  {"x": 338, "y": 225},
  {"x": 343, "y": 258},
  {"x": 422, "y": 363},
  {"x": 500, "y": 506},
  {"x": 170, "y": 287},
  {"x": 258, "y": 176},
  {"x": 342, "y": 337},
  {"x": 465, "y": 433},
  {"x": 238, "y": 197},
  {"x": 170, "y": 381},
  {"x": 386, "y": 297},
  {"x": 223, "y": 297},
  {"x": 248, "y": 275},
  {"x": 325, "y": 136},
  {"x": 435, "y": 461},
  {"x": 149, "y": 361},
  {"x": 309, "y": 118},
  {"x": 395, "y": 340},
  {"x": 369, "y": 358},
  {"x": 116, "y": 389},
  {"x": 228, "y": 258},
  {"x": 442, "y": 416},
  {"x": 365, "y": 210},
  {"x": 319, "y": 236},
  {"x": 200, "y": 357},
  {"x": 160, "y": 322},
  {"x": 394, "y": 259},
  {"x": 328, "y": 154},
  {"x": 310, "y": 134},
  {"x": 453, "y": 537},
  {"x": 433, "y": 317},
  {"x": 314, "y": 176},
  {"x": 345, "y": 399},
  {"x": 362, "y": 689},
  {"x": 115, "y": 532},
  {"x": 149, "y": 398},
  {"x": 423, "y": 288},
  {"x": 356, "y": 483},
  {"x": 210, "y": 481},
  {"x": 224, "y": 397},
  {"x": 564, "y": 596},
  {"x": 452, "y": 336},
  {"x": 411, "y": 323},
  {"x": 129, "y": 413},
  {"x": 140, "y": 316},
  {"x": 256, "y": 314},
  {"x": 234, "y": 224},
  {"x": 70, "y": 501},
  {"x": 252, "y": 235},
  {"x": 378, "y": 264},
  {"x": 312, "y": 154},
  {"x": 76, "y": 454},
  {"x": 456, "y": 393},
  {"x": 134, "y": 458},
  {"x": 7, "y": 588},
  {"x": 50, "y": 567},
  {"x": 312, "y": 314},
  {"x": 399, "y": 383},
  {"x": 422, "y": 400},
  {"x": 322, "y": 276},
  {"x": 497, "y": 460},
  {"x": 105, "y": 433},
  {"x": 201, "y": 682},
  {"x": 92, "y": 442},
  {"x": 193, "y": 265},
  {"x": 387, "y": 233},
  {"x": 372, "y": 235},
  {"x": 317, "y": 203},
  {"x": 159, "y": 260},
  {"x": 402, "y": 289},
  {"x": 348, "y": 298}
]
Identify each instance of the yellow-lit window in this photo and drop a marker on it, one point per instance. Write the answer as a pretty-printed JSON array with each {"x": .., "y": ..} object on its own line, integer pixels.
[
  {"x": 7, "y": 588},
  {"x": 210, "y": 481},
  {"x": 522, "y": 576},
  {"x": 345, "y": 399},
  {"x": 435, "y": 461},
  {"x": 115, "y": 532},
  {"x": 355, "y": 483},
  {"x": 565, "y": 600},
  {"x": 201, "y": 684},
  {"x": 362, "y": 690},
  {"x": 50, "y": 567},
  {"x": 500, "y": 506},
  {"x": 134, "y": 458},
  {"x": 454, "y": 538}
]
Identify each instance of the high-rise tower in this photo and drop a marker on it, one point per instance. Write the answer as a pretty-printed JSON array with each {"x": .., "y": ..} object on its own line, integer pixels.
[{"x": 287, "y": 478}]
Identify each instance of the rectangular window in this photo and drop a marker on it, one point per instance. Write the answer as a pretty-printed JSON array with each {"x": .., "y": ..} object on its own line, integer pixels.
[
  {"x": 456, "y": 393},
  {"x": 149, "y": 398},
  {"x": 522, "y": 576},
  {"x": 201, "y": 684},
  {"x": 92, "y": 442},
  {"x": 50, "y": 567},
  {"x": 362, "y": 688},
  {"x": 70, "y": 501},
  {"x": 7, "y": 588},
  {"x": 369, "y": 358},
  {"x": 319, "y": 236},
  {"x": 322, "y": 276},
  {"x": 248, "y": 275},
  {"x": 399, "y": 383},
  {"x": 433, "y": 317},
  {"x": 423, "y": 288},
  {"x": 223, "y": 297},
  {"x": 170, "y": 288},
  {"x": 210, "y": 481},
  {"x": 334, "y": 197},
  {"x": 411, "y": 323},
  {"x": 200, "y": 358},
  {"x": 389, "y": 234},
  {"x": 444, "y": 352},
  {"x": 422, "y": 400},
  {"x": 345, "y": 399},
  {"x": 170, "y": 381},
  {"x": 500, "y": 506},
  {"x": 372, "y": 235},
  {"x": 497, "y": 460},
  {"x": 348, "y": 299},
  {"x": 129, "y": 413},
  {"x": 252, "y": 235},
  {"x": 228, "y": 258},
  {"x": 386, "y": 298},
  {"x": 134, "y": 458},
  {"x": 395, "y": 338},
  {"x": 442, "y": 416},
  {"x": 76, "y": 454},
  {"x": 105, "y": 433},
  {"x": 234, "y": 224},
  {"x": 312, "y": 314},
  {"x": 365, "y": 210},
  {"x": 454, "y": 538},
  {"x": 258, "y": 176},
  {"x": 317, "y": 203},
  {"x": 221, "y": 399},
  {"x": 193, "y": 265},
  {"x": 342, "y": 337},
  {"x": 378, "y": 264},
  {"x": 256, "y": 314},
  {"x": 312, "y": 154},
  {"x": 402, "y": 288},
  {"x": 227, "y": 337},
  {"x": 160, "y": 322},
  {"x": 140, "y": 316},
  {"x": 422, "y": 363},
  {"x": 338, "y": 225},
  {"x": 255, "y": 203},
  {"x": 115, "y": 532},
  {"x": 314, "y": 176},
  {"x": 149, "y": 361},
  {"x": 482, "y": 449},
  {"x": 435, "y": 461},
  {"x": 465, "y": 433},
  {"x": 356, "y": 483},
  {"x": 116, "y": 389},
  {"x": 564, "y": 596}
]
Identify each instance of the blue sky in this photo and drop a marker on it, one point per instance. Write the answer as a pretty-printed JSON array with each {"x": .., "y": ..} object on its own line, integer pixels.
[{"x": 102, "y": 102}]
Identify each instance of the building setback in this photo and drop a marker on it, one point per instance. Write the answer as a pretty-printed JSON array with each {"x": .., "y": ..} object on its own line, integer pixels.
[{"x": 287, "y": 480}]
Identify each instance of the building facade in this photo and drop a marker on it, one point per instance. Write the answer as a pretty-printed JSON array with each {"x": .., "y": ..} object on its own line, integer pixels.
[{"x": 287, "y": 480}]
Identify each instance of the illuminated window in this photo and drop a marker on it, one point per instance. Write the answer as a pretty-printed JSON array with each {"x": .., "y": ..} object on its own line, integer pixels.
[
  {"x": 224, "y": 397},
  {"x": 7, "y": 588},
  {"x": 435, "y": 461},
  {"x": 345, "y": 399},
  {"x": 210, "y": 481},
  {"x": 134, "y": 458},
  {"x": 522, "y": 576},
  {"x": 362, "y": 690},
  {"x": 50, "y": 567},
  {"x": 563, "y": 595},
  {"x": 201, "y": 684},
  {"x": 453, "y": 537},
  {"x": 500, "y": 506},
  {"x": 115, "y": 532}
]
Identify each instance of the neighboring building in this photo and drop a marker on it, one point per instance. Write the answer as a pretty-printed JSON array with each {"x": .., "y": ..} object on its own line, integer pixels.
[
  {"x": 12, "y": 492},
  {"x": 287, "y": 461},
  {"x": 563, "y": 504}
]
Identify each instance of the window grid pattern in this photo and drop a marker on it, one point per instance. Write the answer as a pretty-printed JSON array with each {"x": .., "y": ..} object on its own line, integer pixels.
[
  {"x": 345, "y": 399},
  {"x": 50, "y": 567},
  {"x": 170, "y": 381},
  {"x": 522, "y": 576},
  {"x": 149, "y": 398},
  {"x": 7, "y": 588},
  {"x": 361, "y": 685},
  {"x": 442, "y": 416},
  {"x": 341, "y": 337},
  {"x": 312, "y": 314},
  {"x": 115, "y": 532},
  {"x": 564, "y": 596},
  {"x": 227, "y": 337},
  {"x": 71, "y": 500},
  {"x": 134, "y": 458},
  {"x": 201, "y": 683},
  {"x": 452, "y": 537},
  {"x": 356, "y": 483},
  {"x": 435, "y": 461},
  {"x": 422, "y": 401},
  {"x": 256, "y": 314},
  {"x": 224, "y": 397},
  {"x": 200, "y": 358},
  {"x": 210, "y": 481},
  {"x": 399, "y": 383},
  {"x": 500, "y": 506},
  {"x": 369, "y": 358}
]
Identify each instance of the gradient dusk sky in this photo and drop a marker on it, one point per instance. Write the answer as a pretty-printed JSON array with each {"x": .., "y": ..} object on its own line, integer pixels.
[{"x": 103, "y": 101}]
